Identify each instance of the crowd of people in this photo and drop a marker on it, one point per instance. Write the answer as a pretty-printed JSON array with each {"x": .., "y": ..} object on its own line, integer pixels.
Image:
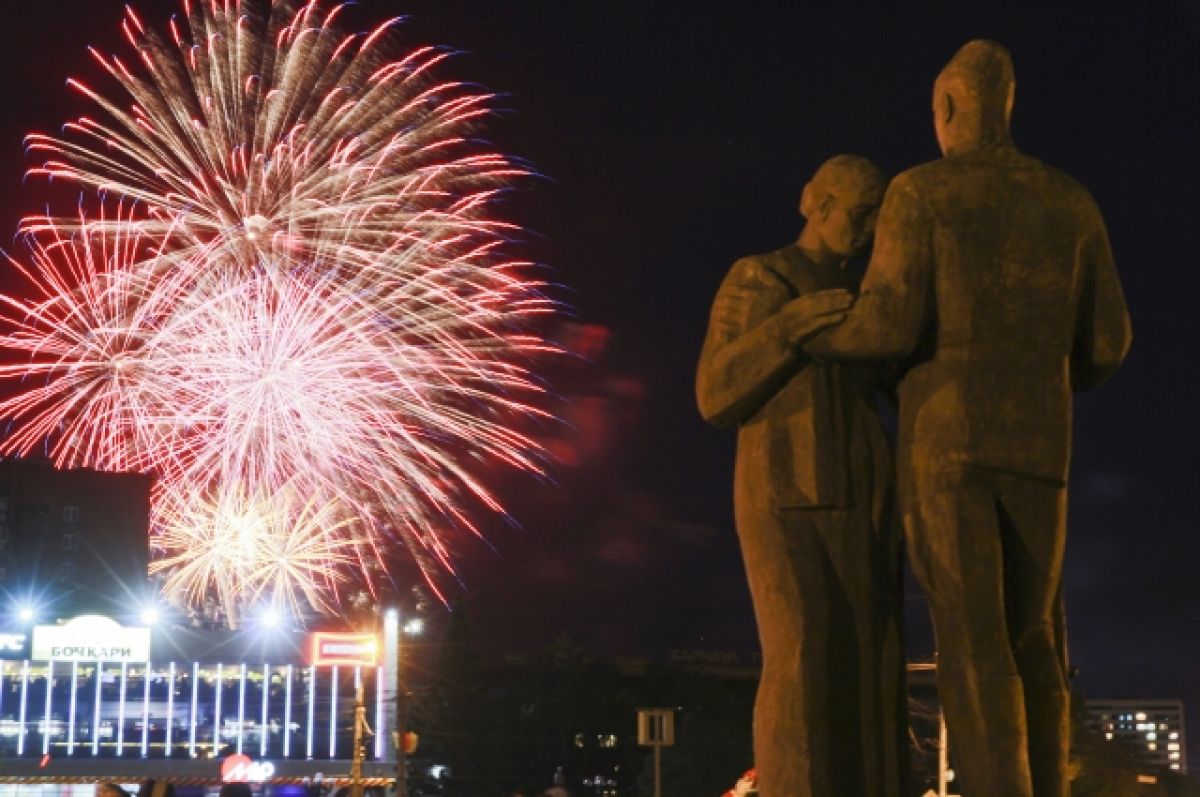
[{"x": 162, "y": 788}]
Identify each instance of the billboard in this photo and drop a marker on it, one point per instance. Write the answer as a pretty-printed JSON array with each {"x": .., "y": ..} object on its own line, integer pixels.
[
  {"x": 90, "y": 637},
  {"x": 14, "y": 645},
  {"x": 327, "y": 648}
]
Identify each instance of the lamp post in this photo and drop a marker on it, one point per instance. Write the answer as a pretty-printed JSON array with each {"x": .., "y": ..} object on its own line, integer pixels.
[
  {"x": 393, "y": 676},
  {"x": 360, "y": 727},
  {"x": 393, "y": 690}
]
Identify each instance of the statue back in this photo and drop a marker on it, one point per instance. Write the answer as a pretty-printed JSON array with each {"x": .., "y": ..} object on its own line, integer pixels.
[{"x": 1008, "y": 242}]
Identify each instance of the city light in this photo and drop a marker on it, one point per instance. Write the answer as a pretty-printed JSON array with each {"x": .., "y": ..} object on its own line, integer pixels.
[
  {"x": 269, "y": 618},
  {"x": 150, "y": 616},
  {"x": 414, "y": 626},
  {"x": 26, "y": 613}
]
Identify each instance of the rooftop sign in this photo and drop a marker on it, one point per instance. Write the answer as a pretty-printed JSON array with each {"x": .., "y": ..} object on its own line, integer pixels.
[
  {"x": 327, "y": 648},
  {"x": 90, "y": 637}
]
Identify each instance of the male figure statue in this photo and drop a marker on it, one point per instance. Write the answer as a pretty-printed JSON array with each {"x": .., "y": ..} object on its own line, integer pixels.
[
  {"x": 992, "y": 272},
  {"x": 812, "y": 494}
]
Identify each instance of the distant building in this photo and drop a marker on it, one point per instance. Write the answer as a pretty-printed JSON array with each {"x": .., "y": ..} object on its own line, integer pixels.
[
  {"x": 1154, "y": 728},
  {"x": 73, "y": 541}
]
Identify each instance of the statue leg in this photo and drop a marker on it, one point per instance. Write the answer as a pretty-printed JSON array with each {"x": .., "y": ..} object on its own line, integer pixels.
[
  {"x": 802, "y": 626},
  {"x": 870, "y": 736},
  {"x": 952, "y": 524},
  {"x": 1033, "y": 523}
]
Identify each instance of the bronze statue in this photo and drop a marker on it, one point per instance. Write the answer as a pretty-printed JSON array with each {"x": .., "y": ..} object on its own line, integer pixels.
[
  {"x": 992, "y": 272},
  {"x": 812, "y": 495}
]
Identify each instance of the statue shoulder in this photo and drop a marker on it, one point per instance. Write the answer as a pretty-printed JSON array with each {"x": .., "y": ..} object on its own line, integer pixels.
[
  {"x": 1075, "y": 191},
  {"x": 763, "y": 269},
  {"x": 919, "y": 179}
]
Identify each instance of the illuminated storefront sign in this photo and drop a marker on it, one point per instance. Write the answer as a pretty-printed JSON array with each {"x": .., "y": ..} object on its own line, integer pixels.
[
  {"x": 327, "y": 648},
  {"x": 90, "y": 637},
  {"x": 12, "y": 645},
  {"x": 242, "y": 769}
]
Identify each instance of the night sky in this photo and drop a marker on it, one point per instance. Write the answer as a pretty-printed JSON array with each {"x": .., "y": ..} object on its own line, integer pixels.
[{"x": 674, "y": 138}]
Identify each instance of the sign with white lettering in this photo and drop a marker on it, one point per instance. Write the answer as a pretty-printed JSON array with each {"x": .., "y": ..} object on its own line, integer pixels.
[
  {"x": 327, "y": 648},
  {"x": 90, "y": 637},
  {"x": 240, "y": 768},
  {"x": 12, "y": 645}
]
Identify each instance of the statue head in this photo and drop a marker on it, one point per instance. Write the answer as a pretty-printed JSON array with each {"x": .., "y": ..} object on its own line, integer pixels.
[
  {"x": 841, "y": 204},
  {"x": 973, "y": 98}
]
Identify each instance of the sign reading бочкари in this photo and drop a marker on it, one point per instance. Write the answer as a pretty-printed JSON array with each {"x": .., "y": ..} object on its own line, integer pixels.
[{"x": 90, "y": 637}]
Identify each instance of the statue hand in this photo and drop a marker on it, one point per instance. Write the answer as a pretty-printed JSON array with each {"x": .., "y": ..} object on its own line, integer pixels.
[{"x": 805, "y": 316}]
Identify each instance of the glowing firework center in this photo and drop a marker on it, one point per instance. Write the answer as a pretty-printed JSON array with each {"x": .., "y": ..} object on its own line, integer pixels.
[{"x": 283, "y": 295}]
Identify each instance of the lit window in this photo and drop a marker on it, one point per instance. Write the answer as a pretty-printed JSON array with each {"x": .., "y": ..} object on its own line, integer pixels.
[
  {"x": 1108, "y": 736},
  {"x": 1173, "y": 746},
  {"x": 1152, "y": 746},
  {"x": 1173, "y": 756},
  {"x": 1174, "y": 735},
  {"x": 1152, "y": 736},
  {"x": 1175, "y": 767},
  {"x": 1141, "y": 715}
]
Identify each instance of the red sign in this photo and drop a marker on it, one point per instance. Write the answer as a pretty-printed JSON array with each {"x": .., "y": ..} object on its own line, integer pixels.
[
  {"x": 242, "y": 769},
  {"x": 328, "y": 648},
  {"x": 233, "y": 768}
]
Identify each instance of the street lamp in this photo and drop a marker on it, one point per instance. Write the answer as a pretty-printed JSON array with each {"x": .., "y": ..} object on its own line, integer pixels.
[
  {"x": 269, "y": 618},
  {"x": 394, "y": 671}
]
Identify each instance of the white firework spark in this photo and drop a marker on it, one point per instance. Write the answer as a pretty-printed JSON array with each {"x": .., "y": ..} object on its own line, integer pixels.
[{"x": 300, "y": 294}]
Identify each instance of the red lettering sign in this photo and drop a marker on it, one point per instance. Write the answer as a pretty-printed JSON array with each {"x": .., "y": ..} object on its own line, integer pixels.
[{"x": 328, "y": 648}]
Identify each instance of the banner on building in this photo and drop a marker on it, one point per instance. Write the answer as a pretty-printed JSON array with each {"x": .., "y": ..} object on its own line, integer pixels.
[
  {"x": 14, "y": 645},
  {"x": 90, "y": 637},
  {"x": 328, "y": 648}
]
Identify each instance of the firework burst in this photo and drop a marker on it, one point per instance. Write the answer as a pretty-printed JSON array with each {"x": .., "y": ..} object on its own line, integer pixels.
[{"x": 296, "y": 315}]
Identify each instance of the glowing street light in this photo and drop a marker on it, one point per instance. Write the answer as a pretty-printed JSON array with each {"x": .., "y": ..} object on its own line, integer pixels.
[{"x": 270, "y": 618}]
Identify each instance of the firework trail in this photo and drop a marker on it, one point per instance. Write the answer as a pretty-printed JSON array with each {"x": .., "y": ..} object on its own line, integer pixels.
[{"x": 289, "y": 303}]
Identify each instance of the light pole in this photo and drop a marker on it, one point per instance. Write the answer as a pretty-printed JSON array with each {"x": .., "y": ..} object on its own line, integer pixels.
[
  {"x": 393, "y": 673},
  {"x": 360, "y": 728}
]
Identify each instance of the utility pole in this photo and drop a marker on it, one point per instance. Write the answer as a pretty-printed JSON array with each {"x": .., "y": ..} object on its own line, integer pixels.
[
  {"x": 361, "y": 729},
  {"x": 401, "y": 732}
]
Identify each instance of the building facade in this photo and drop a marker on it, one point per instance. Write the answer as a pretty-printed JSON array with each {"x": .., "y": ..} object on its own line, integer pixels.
[
  {"x": 92, "y": 688},
  {"x": 1152, "y": 728},
  {"x": 89, "y": 697}
]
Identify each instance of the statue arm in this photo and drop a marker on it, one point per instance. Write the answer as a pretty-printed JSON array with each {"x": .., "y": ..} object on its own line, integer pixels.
[
  {"x": 887, "y": 319},
  {"x": 752, "y": 345},
  {"x": 1102, "y": 328}
]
